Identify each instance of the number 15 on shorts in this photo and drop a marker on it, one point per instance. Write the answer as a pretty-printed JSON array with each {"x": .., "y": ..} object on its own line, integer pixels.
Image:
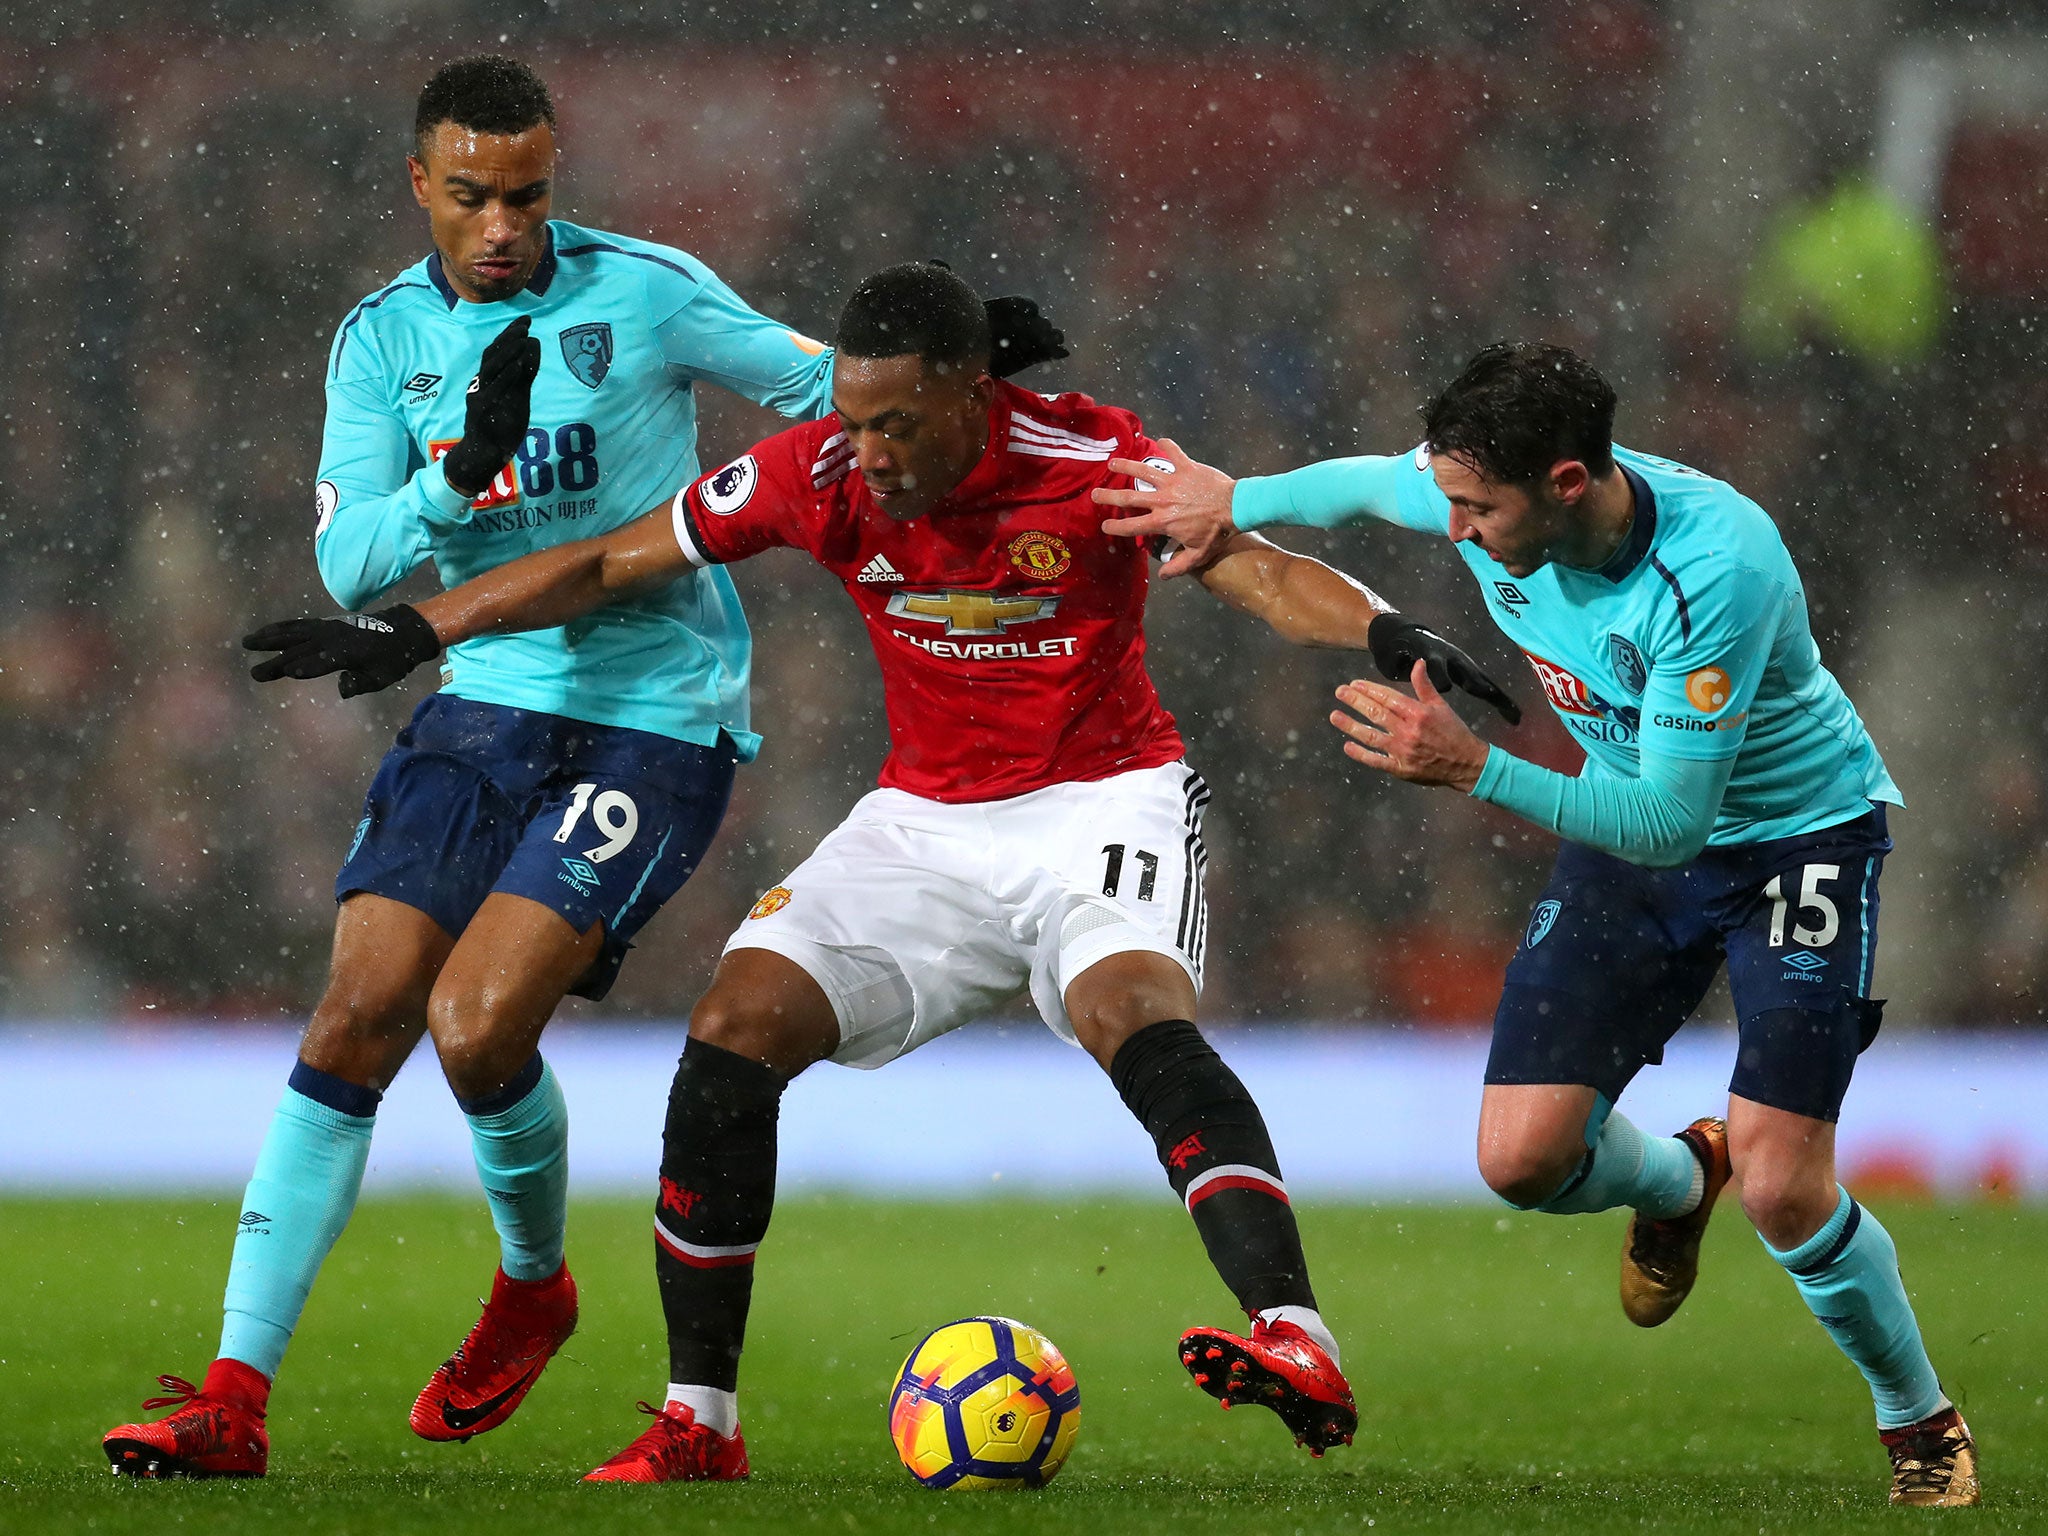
[{"x": 1809, "y": 900}]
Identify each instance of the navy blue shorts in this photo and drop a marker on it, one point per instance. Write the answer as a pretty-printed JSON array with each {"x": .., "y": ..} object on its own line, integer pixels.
[
  {"x": 1616, "y": 957},
  {"x": 596, "y": 822}
]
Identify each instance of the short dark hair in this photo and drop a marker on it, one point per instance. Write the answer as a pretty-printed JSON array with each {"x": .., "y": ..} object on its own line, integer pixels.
[
  {"x": 485, "y": 93},
  {"x": 919, "y": 307},
  {"x": 1520, "y": 407}
]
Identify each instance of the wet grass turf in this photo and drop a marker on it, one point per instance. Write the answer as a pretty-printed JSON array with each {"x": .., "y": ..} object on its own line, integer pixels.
[{"x": 1499, "y": 1386}]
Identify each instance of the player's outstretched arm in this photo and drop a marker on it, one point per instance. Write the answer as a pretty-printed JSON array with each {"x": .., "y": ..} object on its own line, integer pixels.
[
  {"x": 538, "y": 591},
  {"x": 1305, "y": 601},
  {"x": 1310, "y": 603},
  {"x": 1199, "y": 507},
  {"x": 554, "y": 586}
]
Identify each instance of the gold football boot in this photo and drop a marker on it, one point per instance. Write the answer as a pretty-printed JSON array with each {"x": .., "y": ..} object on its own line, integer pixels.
[
  {"x": 1660, "y": 1260},
  {"x": 1934, "y": 1462}
]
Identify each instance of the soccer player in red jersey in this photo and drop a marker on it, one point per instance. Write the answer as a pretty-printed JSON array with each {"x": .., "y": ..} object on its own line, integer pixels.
[{"x": 1037, "y": 828}]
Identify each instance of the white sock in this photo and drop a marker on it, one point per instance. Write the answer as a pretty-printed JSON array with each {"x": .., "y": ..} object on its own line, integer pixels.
[
  {"x": 717, "y": 1411},
  {"x": 1310, "y": 1322},
  {"x": 1697, "y": 1191}
]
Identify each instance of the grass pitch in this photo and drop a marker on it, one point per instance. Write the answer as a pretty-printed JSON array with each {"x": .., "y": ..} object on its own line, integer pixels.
[{"x": 1499, "y": 1385}]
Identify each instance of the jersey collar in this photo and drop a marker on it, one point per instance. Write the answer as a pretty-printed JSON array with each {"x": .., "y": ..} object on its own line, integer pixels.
[
  {"x": 537, "y": 285},
  {"x": 1641, "y": 533}
]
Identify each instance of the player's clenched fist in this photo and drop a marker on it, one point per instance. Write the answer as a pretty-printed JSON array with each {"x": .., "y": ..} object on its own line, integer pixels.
[
  {"x": 369, "y": 650},
  {"x": 1420, "y": 739},
  {"x": 495, "y": 412}
]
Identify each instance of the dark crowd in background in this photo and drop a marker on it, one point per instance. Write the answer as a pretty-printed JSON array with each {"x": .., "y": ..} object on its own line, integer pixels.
[{"x": 1270, "y": 231}]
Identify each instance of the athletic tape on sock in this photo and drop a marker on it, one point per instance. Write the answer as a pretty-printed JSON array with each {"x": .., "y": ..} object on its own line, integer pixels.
[{"x": 717, "y": 1410}]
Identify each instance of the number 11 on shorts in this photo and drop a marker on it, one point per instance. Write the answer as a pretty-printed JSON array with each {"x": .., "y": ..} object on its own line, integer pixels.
[{"x": 1113, "y": 870}]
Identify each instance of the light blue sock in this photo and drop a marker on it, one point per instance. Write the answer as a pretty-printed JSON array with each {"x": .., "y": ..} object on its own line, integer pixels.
[
  {"x": 1657, "y": 1175},
  {"x": 1848, "y": 1275},
  {"x": 299, "y": 1198},
  {"x": 521, "y": 1136}
]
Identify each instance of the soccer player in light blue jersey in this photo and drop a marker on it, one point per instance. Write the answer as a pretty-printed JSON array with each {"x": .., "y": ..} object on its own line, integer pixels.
[
  {"x": 1731, "y": 810},
  {"x": 529, "y": 382}
]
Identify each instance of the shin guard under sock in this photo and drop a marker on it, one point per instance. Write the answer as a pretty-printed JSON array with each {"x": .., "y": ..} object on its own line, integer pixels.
[
  {"x": 717, "y": 1193},
  {"x": 1657, "y": 1175},
  {"x": 300, "y": 1196},
  {"x": 1848, "y": 1275},
  {"x": 520, "y": 1135},
  {"x": 1213, "y": 1145}
]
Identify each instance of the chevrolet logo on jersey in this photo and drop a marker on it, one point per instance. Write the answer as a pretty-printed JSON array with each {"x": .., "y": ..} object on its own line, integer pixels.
[{"x": 970, "y": 613}]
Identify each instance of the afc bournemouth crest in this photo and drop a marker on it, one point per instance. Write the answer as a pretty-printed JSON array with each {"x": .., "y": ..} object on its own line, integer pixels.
[
  {"x": 1541, "y": 921},
  {"x": 1628, "y": 664},
  {"x": 1040, "y": 556},
  {"x": 771, "y": 903},
  {"x": 587, "y": 349}
]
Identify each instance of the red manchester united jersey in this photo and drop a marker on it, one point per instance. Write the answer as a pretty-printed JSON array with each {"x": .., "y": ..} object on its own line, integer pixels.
[{"x": 1008, "y": 625}]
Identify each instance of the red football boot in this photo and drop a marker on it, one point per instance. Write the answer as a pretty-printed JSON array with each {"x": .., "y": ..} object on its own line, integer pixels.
[
  {"x": 217, "y": 1430},
  {"x": 1278, "y": 1367},
  {"x": 676, "y": 1449},
  {"x": 487, "y": 1378}
]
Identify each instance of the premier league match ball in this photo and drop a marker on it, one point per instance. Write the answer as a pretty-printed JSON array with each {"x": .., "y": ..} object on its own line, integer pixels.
[{"x": 984, "y": 1403}]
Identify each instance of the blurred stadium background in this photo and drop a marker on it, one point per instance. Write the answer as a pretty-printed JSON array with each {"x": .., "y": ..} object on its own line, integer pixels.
[{"x": 1808, "y": 240}]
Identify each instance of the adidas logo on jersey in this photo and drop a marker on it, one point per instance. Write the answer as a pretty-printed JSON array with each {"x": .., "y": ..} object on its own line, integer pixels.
[{"x": 879, "y": 569}]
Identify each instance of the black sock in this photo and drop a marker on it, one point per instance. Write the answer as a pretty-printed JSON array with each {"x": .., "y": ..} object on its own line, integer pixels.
[
  {"x": 1213, "y": 1145},
  {"x": 717, "y": 1193}
]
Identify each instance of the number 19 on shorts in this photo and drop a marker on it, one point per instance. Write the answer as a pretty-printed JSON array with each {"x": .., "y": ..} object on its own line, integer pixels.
[{"x": 612, "y": 814}]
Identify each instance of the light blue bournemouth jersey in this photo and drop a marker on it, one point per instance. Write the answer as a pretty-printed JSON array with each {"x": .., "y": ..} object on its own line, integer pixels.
[
  {"x": 1688, "y": 651},
  {"x": 626, "y": 328}
]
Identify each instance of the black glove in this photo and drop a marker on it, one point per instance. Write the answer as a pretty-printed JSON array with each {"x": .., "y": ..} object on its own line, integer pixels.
[
  {"x": 1398, "y": 643},
  {"x": 1020, "y": 336},
  {"x": 369, "y": 650},
  {"x": 495, "y": 410}
]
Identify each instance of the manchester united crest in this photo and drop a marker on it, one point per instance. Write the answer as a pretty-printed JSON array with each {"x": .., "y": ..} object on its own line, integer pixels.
[
  {"x": 771, "y": 903},
  {"x": 1041, "y": 556}
]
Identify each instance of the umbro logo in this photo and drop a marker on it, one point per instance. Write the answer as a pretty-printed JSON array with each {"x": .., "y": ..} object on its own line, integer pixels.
[
  {"x": 1805, "y": 960},
  {"x": 879, "y": 569},
  {"x": 1510, "y": 594},
  {"x": 254, "y": 1219},
  {"x": 423, "y": 386},
  {"x": 577, "y": 873}
]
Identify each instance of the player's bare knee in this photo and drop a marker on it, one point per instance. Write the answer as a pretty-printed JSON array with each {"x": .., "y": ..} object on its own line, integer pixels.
[
  {"x": 1527, "y": 1172},
  {"x": 476, "y": 1036},
  {"x": 363, "y": 1035},
  {"x": 1104, "y": 1026},
  {"x": 756, "y": 1028},
  {"x": 1786, "y": 1204},
  {"x": 1122, "y": 994}
]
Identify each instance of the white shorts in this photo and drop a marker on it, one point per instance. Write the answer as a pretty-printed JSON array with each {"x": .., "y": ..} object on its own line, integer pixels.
[{"x": 917, "y": 917}]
